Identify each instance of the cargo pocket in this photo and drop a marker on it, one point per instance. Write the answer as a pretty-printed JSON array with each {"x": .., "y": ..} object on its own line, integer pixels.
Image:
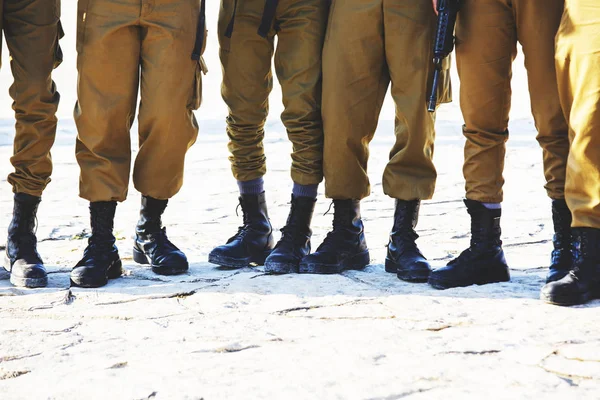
[
  {"x": 196, "y": 98},
  {"x": 58, "y": 53},
  {"x": 82, "y": 15}
]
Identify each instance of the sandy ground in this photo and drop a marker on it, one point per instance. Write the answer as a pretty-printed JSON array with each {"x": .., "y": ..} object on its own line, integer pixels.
[{"x": 241, "y": 334}]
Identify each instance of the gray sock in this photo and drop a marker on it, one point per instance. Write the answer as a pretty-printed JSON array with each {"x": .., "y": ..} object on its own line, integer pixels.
[
  {"x": 305, "y": 190},
  {"x": 493, "y": 206},
  {"x": 255, "y": 186}
]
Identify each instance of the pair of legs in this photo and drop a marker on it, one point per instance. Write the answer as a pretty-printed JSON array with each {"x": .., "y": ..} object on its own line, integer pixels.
[
  {"x": 487, "y": 34},
  {"x": 123, "y": 47},
  {"x": 32, "y": 30},
  {"x": 369, "y": 45},
  {"x": 247, "y": 31},
  {"x": 577, "y": 63}
]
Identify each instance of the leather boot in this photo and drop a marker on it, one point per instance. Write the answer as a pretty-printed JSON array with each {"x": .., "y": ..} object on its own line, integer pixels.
[
  {"x": 582, "y": 283},
  {"x": 151, "y": 244},
  {"x": 254, "y": 240},
  {"x": 344, "y": 247},
  {"x": 562, "y": 256},
  {"x": 101, "y": 260},
  {"x": 483, "y": 262},
  {"x": 403, "y": 256},
  {"x": 294, "y": 244},
  {"x": 22, "y": 259}
]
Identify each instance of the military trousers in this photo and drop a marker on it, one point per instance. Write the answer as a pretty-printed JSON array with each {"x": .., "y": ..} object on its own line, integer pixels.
[
  {"x": 126, "y": 46},
  {"x": 370, "y": 43},
  {"x": 247, "y": 31},
  {"x": 487, "y": 34},
  {"x": 32, "y": 30},
  {"x": 578, "y": 71}
]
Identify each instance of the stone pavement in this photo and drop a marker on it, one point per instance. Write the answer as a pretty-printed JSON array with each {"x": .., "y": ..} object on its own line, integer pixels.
[{"x": 241, "y": 334}]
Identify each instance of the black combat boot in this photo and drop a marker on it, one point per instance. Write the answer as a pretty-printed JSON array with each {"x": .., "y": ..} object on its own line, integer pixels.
[
  {"x": 294, "y": 244},
  {"x": 562, "y": 256},
  {"x": 22, "y": 259},
  {"x": 484, "y": 261},
  {"x": 101, "y": 260},
  {"x": 151, "y": 244},
  {"x": 344, "y": 247},
  {"x": 254, "y": 240},
  {"x": 403, "y": 256},
  {"x": 582, "y": 283}
]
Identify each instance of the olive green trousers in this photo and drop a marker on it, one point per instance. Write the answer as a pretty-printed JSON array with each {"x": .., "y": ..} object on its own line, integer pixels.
[
  {"x": 126, "y": 46},
  {"x": 487, "y": 35},
  {"x": 578, "y": 71},
  {"x": 32, "y": 30},
  {"x": 370, "y": 43},
  {"x": 246, "y": 58}
]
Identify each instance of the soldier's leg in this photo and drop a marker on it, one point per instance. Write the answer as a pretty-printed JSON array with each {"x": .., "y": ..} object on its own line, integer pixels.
[
  {"x": 108, "y": 46},
  {"x": 167, "y": 126},
  {"x": 486, "y": 40},
  {"x": 247, "y": 81},
  {"x": 410, "y": 174},
  {"x": 32, "y": 29},
  {"x": 577, "y": 60},
  {"x": 300, "y": 35},
  {"x": 537, "y": 24},
  {"x": 355, "y": 80}
]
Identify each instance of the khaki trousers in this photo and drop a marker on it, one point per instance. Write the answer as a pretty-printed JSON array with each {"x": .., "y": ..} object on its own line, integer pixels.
[
  {"x": 578, "y": 70},
  {"x": 32, "y": 29},
  {"x": 370, "y": 43},
  {"x": 487, "y": 34},
  {"x": 124, "y": 46},
  {"x": 246, "y": 59}
]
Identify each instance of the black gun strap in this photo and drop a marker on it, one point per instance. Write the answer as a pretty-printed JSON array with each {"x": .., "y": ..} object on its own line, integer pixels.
[
  {"x": 201, "y": 28},
  {"x": 268, "y": 17},
  {"x": 266, "y": 22},
  {"x": 229, "y": 29}
]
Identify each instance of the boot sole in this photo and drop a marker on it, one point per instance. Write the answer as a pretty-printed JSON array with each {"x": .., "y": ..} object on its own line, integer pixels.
[
  {"x": 141, "y": 258},
  {"x": 30, "y": 283},
  {"x": 114, "y": 271},
  {"x": 443, "y": 284},
  {"x": 356, "y": 262},
  {"x": 566, "y": 301},
  {"x": 413, "y": 276},
  {"x": 237, "y": 263},
  {"x": 281, "y": 268}
]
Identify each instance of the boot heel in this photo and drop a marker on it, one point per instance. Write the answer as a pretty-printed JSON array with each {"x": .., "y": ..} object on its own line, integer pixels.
[
  {"x": 357, "y": 262},
  {"x": 115, "y": 270},
  {"x": 140, "y": 257},
  {"x": 260, "y": 259},
  {"x": 390, "y": 267}
]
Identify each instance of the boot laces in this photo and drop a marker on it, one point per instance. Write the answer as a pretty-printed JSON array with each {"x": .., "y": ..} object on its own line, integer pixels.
[
  {"x": 24, "y": 238},
  {"x": 244, "y": 228},
  {"x": 335, "y": 236}
]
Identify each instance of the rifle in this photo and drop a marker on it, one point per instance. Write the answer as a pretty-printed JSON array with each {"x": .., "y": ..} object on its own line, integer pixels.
[{"x": 443, "y": 43}]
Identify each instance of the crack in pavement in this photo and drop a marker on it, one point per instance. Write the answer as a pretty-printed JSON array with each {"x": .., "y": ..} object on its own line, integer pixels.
[
  {"x": 177, "y": 295},
  {"x": 473, "y": 352},
  {"x": 228, "y": 349},
  {"x": 66, "y": 300},
  {"x": 307, "y": 308},
  {"x": 66, "y": 330},
  {"x": 14, "y": 358},
  {"x": 12, "y": 374},
  {"x": 402, "y": 395}
]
